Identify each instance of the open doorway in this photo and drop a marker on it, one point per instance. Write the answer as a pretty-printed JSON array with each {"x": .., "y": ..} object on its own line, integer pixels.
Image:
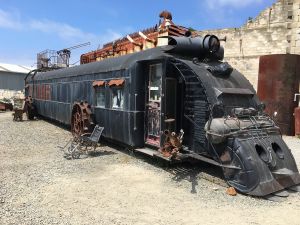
[{"x": 154, "y": 105}]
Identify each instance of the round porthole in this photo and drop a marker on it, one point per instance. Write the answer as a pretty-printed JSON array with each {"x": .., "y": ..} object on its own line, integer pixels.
[
  {"x": 262, "y": 153},
  {"x": 278, "y": 150}
]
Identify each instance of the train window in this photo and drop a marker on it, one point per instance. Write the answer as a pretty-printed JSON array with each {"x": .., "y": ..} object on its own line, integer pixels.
[
  {"x": 117, "y": 93},
  {"x": 100, "y": 96},
  {"x": 155, "y": 82},
  {"x": 99, "y": 86},
  {"x": 117, "y": 97}
]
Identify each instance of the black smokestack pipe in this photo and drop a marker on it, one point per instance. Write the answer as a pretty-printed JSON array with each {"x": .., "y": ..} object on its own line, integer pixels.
[{"x": 200, "y": 47}]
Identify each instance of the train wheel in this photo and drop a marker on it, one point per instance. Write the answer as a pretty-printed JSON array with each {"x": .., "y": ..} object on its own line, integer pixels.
[
  {"x": 77, "y": 123},
  {"x": 81, "y": 121}
]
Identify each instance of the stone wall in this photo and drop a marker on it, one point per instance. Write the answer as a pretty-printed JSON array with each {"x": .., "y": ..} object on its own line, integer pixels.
[
  {"x": 10, "y": 94},
  {"x": 274, "y": 31}
]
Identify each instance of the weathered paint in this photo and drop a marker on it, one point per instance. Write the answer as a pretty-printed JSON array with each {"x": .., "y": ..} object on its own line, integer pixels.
[{"x": 297, "y": 121}]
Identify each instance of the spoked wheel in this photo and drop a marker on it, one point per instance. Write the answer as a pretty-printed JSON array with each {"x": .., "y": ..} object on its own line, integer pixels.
[
  {"x": 77, "y": 123},
  {"x": 81, "y": 121}
]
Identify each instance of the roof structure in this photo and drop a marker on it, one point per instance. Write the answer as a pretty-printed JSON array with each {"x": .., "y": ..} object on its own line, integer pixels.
[
  {"x": 14, "y": 68},
  {"x": 138, "y": 41}
]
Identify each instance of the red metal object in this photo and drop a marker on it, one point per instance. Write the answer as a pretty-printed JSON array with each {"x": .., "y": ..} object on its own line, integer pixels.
[
  {"x": 4, "y": 106},
  {"x": 278, "y": 81},
  {"x": 297, "y": 121}
]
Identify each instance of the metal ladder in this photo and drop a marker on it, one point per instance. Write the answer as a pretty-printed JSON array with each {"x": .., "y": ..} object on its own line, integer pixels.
[
  {"x": 194, "y": 90},
  {"x": 195, "y": 102}
]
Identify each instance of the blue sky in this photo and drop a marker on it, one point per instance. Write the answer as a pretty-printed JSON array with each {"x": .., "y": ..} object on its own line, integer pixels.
[{"x": 28, "y": 27}]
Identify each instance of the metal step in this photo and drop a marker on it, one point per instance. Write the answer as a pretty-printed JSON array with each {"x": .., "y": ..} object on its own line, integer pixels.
[
  {"x": 152, "y": 153},
  {"x": 146, "y": 151}
]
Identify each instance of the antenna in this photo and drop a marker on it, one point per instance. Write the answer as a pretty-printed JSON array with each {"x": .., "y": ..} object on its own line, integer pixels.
[
  {"x": 65, "y": 54},
  {"x": 51, "y": 59}
]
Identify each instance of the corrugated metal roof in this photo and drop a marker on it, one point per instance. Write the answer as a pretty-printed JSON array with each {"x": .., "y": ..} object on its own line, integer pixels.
[{"x": 14, "y": 68}]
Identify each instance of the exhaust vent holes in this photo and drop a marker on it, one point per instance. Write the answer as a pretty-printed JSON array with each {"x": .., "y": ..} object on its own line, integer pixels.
[
  {"x": 278, "y": 150},
  {"x": 262, "y": 153}
]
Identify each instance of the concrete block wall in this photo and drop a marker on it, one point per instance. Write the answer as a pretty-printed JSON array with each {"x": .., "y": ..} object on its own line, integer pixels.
[
  {"x": 11, "y": 94},
  {"x": 274, "y": 31}
]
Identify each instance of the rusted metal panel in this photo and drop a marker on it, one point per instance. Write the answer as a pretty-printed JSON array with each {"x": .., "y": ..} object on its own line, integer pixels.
[
  {"x": 98, "y": 83},
  {"x": 278, "y": 81},
  {"x": 117, "y": 82},
  {"x": 297, "y": 120},
  {"x": 138, "y": 41}
]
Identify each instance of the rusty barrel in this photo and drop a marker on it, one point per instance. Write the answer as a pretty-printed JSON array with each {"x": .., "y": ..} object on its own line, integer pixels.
[
  {"x": 278, "y": 81},
  {"x": 297, "y": 121}
]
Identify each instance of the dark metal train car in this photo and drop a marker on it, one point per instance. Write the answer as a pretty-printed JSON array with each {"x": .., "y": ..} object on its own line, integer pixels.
[{"x": 183, "y": 87}]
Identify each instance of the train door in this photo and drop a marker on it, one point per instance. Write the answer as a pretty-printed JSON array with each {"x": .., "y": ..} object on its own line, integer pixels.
[
  {"x": 154, "y": 100},
  {"x": 170, "y": 109}
]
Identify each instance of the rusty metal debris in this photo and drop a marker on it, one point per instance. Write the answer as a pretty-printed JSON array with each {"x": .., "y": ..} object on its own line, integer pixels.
[
  {"x": 22, "y": 106},
  {"x": 137, "y": 41},
  {"x": 18, "y": 109},
  {"x": 18, "y": 115},
  {"x": 172, "y": 144},
  {"x": 5, "y": 104},
  {"x": 231, "y": 191}
]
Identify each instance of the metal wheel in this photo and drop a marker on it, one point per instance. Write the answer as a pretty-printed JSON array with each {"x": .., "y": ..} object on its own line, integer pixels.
[
  {"x": 77, "y": 123},
  {"x": 81, "y": 118}
]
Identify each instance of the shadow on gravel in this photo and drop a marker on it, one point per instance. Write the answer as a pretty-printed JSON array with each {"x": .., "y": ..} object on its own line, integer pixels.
[
  {"x": 191, "y": 171},
  {"x": 195, "y": 171},
  {"x": 90, "y": 154},
  {"x": 100, "y": 153}
]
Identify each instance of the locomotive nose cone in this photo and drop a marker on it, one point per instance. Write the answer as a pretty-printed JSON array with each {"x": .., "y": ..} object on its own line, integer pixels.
[{"x": 263, "y": 170}]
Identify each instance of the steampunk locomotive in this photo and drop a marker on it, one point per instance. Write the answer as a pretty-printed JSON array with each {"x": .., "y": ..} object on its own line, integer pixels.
[{"x": 181, "y": 88}]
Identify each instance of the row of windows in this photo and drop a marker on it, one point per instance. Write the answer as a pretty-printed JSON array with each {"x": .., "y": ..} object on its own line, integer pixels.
[{"x": 63, "y": 92}]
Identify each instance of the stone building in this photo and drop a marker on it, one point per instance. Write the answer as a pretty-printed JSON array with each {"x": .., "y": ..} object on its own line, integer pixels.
[{"x": 276, "y": 30}]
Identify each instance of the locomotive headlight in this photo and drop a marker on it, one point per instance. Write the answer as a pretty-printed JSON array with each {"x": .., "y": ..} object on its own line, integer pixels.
[{"x": 211, "y": 43}]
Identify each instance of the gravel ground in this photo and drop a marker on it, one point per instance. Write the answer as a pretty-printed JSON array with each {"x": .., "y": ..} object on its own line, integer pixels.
[{"x": 39, "y": 186}]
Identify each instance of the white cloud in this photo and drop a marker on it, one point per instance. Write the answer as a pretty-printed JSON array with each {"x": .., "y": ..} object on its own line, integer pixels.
[
  {"x": 63, "y": 30},
  {"x": 10, "y": 20},
  {"x": 214, "y": 4},
  {"x": 109, "y": 35},
  {"x": 66, "y": 32}
]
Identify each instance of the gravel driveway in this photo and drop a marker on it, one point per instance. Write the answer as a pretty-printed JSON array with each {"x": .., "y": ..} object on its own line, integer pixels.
[{"x": 39, "y": 186}]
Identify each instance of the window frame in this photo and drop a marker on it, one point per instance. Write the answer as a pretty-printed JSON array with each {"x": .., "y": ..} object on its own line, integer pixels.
[
  {"x": 122, "y": 103},
  {"x": 100, "y": 89}
]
